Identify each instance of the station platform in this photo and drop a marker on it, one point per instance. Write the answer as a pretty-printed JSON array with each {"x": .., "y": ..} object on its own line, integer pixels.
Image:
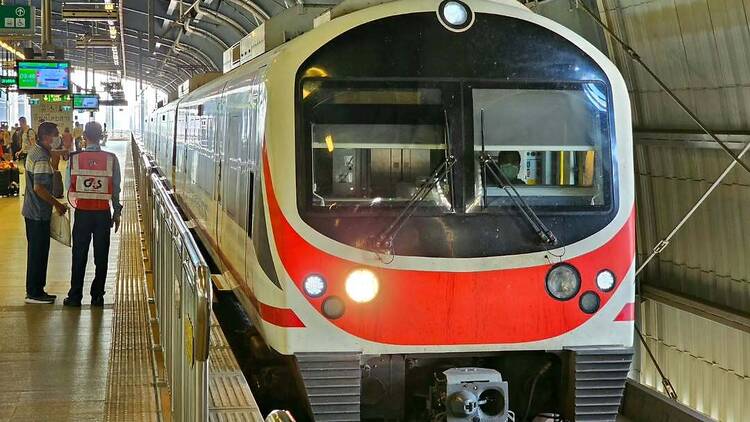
[{"x": 97, "y": 364}]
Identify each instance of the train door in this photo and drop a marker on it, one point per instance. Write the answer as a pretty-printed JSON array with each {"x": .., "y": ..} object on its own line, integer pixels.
[
  {"x": 218, "y": 153},
  {"x": 233, "y": 228},
  {"x": 255, "y": 131}
]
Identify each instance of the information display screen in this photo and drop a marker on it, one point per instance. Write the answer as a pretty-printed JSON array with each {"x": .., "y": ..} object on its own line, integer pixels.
[
  {"x": 85, "y": 102},
  {"x": 43, "y": 76}
]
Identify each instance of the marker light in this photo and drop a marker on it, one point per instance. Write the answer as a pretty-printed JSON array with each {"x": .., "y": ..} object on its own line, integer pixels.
[
  {"x": 333, "y": 307},
  {"x": 563, "y": 281},
  {"x": 314, "y": 285},
  {"x": 605, "y": 280},
  {"x": 455, "y": 15},
  {"x": 362, "y": 285},
  {"x": 589, "y": 302}
]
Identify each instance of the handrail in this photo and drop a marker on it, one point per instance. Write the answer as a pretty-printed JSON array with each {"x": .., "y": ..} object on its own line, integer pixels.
[
  {"x": 182, "y": 294},
  {"x": 202, "y": 277}
]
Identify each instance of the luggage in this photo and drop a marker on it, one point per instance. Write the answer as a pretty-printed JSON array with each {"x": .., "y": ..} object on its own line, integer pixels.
[{"x": 9, "y": 179}]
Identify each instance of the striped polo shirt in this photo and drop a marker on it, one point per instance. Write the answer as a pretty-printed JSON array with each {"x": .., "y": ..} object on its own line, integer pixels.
[{"x": 38, "y": 171}]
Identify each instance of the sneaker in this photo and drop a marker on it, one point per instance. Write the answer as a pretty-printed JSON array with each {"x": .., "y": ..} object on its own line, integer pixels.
[
  {"x": 49, "y": 296},
  {"x": 39, "y": 300},
  {"x": 97, "y": 301},
  {"x": 72, "y": 303}
]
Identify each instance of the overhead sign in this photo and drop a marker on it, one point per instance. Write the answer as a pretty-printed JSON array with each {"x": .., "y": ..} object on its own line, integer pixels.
[
  {"x": 6, "y": 81},
  {"x": 56, "y": 98},
  {"x": 17, "y": 19},
  {"x": 52, "y": 108}
]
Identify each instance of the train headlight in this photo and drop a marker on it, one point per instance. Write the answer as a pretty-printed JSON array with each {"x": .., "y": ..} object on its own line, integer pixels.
[
  {"x": 455, "y": 15},
  {"x": 362, "y": 285},
  {"x": 314, "y": 285},
  {"x": 605, "y": 280},
  {"x": 563, "y": 282}
]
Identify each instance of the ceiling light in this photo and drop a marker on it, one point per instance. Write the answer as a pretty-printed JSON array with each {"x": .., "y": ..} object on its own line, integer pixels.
[{"x": 12, "y": 50}]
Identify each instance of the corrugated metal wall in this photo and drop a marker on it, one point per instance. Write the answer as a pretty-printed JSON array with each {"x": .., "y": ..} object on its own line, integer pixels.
[
  {"x": 708, "y": 259},
  {"x": 701, "y": 48},
  {"x": 708, "y": 363}
]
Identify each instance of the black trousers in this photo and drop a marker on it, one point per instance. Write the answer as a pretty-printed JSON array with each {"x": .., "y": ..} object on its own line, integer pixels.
[
  {"x": 88, "y": 224},
  {"x": 37, "y": 256}
]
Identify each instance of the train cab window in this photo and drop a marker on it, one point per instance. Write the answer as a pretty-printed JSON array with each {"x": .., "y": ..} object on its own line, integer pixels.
[
  {"x": 375, "y": 144},
  {"x": 551, "y": 145}
]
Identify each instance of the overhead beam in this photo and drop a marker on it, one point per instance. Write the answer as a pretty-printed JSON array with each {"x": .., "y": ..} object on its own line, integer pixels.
[
  {"x": 723, "y": 315},
  {"x": 196, "y": 53},
  {"x": 687, "y": 139}
]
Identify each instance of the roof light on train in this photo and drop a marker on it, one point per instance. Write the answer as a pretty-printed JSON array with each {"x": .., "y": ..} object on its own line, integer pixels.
[
  {"x": 563, "y": 282},
  {"x": 362, "y": 285},
  {"x": 605, "y": 280},
  {"x": 455, "y": 15},
  {"x": 314, "y": 285}
]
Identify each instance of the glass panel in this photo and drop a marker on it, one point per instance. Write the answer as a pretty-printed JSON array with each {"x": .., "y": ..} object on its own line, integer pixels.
[
  {"x": 552, "y": 145},
  {"x": 375, "y": 146}
]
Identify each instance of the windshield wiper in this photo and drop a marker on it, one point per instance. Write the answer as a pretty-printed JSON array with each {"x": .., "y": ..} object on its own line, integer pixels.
[
  {"x": 384, "y": 240},
  {"x": 490, "y": 167}
]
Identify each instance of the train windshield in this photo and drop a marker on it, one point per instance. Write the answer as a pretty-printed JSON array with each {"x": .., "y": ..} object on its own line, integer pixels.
[
  {"x": 375, "y": 145},
  {"x": 551, "y": 145},
  {"x": 378, "y": 144}
]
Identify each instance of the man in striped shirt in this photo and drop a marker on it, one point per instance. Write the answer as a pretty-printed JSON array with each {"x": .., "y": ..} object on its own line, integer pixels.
[{"x": 37, "y": 211}]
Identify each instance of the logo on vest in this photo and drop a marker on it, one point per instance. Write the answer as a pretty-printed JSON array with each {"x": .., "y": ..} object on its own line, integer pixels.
[
  {"x": 92, "y": 184},
  {"x": 93, "y": 164}
]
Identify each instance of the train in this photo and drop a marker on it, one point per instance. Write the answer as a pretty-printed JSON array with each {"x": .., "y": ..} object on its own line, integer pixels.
[{"x": 426, "y": 209}]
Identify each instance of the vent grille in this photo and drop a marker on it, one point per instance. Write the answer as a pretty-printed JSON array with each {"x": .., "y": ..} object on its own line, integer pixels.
[
  {"x": 600, "y": 383},
  {"x": 333, "y": 384}
]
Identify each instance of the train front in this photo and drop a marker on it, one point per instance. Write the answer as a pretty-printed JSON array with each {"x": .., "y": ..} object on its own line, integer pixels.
[{"x": 460, "y": 212}]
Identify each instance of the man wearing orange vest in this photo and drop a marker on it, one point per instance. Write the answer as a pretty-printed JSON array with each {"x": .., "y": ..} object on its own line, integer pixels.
[{"x": 94, "y": 177}]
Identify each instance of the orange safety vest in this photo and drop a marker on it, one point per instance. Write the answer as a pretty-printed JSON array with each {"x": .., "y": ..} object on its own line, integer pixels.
[{"x": 91, "y": 180}]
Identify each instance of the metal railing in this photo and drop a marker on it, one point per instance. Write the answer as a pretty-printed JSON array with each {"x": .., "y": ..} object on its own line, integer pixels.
[{"x": 182, "y": 290}]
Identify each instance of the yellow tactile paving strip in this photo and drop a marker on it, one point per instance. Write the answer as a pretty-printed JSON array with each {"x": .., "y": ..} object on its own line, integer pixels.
[
  {"x": 131, "y": 392},
  {"x": 230, "y": 398}
]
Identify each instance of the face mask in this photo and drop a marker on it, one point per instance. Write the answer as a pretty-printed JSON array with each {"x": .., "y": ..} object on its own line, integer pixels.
[{"x": 510, "y": 171}]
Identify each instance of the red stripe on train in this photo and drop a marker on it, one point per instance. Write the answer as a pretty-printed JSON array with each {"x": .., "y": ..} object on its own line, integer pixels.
[
  {"x": 443, "y": 307},
  {"x": 627, "y": 313},
  {"x": 283, "y": 317}
]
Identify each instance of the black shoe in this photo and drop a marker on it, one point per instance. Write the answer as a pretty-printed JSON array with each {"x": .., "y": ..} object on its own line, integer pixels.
[
  {"x": 48, "y": 296},
  {"x": 39, "y": 300},
  {"x": 72, "y": 303},
  {"x": 97, "y": 301}
]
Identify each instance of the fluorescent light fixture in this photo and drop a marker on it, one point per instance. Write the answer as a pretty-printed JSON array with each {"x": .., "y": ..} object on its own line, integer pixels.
[{"x": 15, "y": 52}]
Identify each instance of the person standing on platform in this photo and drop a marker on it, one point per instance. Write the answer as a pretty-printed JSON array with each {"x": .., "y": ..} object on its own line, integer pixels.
[
  {"x": 67, "y": 139},
  {"x": 5, "y": 137},
  {"x": 27, "y": 139},
  {"x": 94, "y": 181},
  {"x": 37, "y": 211},
  {"x": 15, "y": 141},
  {"x": 77, "y": 135}
]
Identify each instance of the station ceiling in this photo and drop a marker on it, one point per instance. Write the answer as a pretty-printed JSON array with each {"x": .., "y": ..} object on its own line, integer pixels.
[{"x": 189, "y": 38}]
